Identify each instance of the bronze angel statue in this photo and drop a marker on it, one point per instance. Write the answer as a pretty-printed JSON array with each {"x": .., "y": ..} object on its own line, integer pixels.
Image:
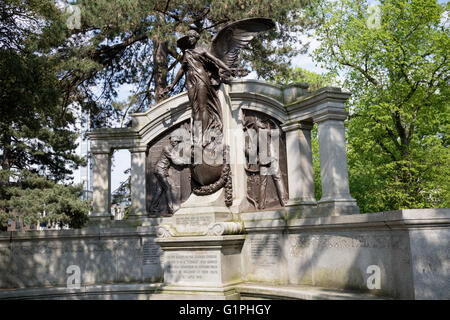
[{"x": 205, "y": 69}]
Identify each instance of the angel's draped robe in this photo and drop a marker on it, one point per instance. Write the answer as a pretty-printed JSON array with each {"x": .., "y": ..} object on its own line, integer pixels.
[{"x": 201, "y": 92}]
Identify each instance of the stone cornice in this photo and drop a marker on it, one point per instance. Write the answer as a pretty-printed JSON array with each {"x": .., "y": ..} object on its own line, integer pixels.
[
  {"x": 328, "y": 100},
  {"x": 291, "y": 126},
  {"x": 113, "y": 133},
  {"x": 399, "y": 219},
  {"x": 297, "y": 125},
  {"x": 139, "y": 149},
  {"x": 282, "y": 93},
  {"x": 330, "y": 114}
]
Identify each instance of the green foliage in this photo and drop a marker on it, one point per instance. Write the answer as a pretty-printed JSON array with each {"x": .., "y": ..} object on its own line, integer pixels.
[
  {"x": 300, "y": 75},
  {"x": 316, "y": 162},
  {"x": 30, "y": 196},
  {"x": 396, "y": 66},
  {"x": 35, "y": 124},
  {"x": 36, "y": 121},
  {"x": 126, "y": 213}
]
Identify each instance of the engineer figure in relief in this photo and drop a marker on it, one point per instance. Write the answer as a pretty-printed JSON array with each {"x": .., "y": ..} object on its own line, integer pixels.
[{"x": 169, "y": 156}]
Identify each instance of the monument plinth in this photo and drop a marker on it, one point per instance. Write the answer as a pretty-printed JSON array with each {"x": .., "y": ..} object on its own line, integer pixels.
[{"x": 203, "y": 263}]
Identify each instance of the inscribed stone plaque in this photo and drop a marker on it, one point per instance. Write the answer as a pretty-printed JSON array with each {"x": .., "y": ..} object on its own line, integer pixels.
[
  {"x": 152, "y": 258},
  {"x": 193, "y": 266},
  {"x": 265, "y": 250},
  {"x": 193, "y": 223}
]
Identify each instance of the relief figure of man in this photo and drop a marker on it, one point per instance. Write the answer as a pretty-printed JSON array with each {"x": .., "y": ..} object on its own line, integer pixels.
[{"x": 169, "y": 156}]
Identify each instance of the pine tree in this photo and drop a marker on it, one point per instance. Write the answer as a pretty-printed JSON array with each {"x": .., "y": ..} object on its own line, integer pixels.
[
  {"x": 36, "y": 135},
  {"x": 133, "y": 42}
]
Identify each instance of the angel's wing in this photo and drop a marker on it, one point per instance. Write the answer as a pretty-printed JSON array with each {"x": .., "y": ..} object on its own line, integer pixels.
[{"x": 231, "y": 38}]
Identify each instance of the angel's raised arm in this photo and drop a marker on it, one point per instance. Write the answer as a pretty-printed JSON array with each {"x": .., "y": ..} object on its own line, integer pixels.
[{"x": 177, "y": 78}]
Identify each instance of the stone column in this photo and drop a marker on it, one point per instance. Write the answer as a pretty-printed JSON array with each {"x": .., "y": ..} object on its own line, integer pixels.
[
  {"x": 235, "y": 139},
  {"x": 137, "y": 177},
  {"x": 101, "y": 184},
  {"x": 336, "y": 198},
  {"x": 299, "y": 163}
]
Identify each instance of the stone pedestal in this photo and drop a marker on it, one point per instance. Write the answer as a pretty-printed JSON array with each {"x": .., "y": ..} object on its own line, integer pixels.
[{"x": 206, "y": 265}]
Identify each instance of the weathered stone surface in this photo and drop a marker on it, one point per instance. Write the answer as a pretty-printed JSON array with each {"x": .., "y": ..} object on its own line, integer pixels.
[
  {"x": 430, "y": 253},
  {"x": 38, "y": 259},
  {"x": 410, "y": 248}
]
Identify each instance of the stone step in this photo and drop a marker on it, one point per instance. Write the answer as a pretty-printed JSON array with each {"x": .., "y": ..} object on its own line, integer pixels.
[
  {"x": 247, "y": 291},
  {"x": 258, "y": 290}
]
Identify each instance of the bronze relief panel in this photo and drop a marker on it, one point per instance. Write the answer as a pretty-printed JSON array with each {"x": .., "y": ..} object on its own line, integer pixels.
[
  {"x": 167, "y": 173},
  {"x": 266, "y": 163}
]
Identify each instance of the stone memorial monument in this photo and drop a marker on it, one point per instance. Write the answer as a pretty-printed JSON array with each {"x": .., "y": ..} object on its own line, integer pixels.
[
  {"x": 225, "y": 152},
  {"x": 223, "y": 205}
]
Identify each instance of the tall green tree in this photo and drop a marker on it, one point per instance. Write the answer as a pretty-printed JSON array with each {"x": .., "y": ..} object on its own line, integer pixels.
[
  {"x": 394, "y": 59},
  {"x": 37, "y": 129},
  {"x": 35, "y": 125}
]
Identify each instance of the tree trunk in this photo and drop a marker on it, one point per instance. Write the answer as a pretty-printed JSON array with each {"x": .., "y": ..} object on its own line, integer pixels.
[
  {"x": 6, "y": 164},
  {"x": 160, "y": 65}
]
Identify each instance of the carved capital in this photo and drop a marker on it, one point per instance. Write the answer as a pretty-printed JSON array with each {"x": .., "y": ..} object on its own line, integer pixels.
[{"x": 138, "y": 149}]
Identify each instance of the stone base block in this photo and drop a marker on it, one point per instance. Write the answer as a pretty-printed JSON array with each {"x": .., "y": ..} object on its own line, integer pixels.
[
  {"x": 178, "y": 292},
  {"x": 338, "y": 207},
  {"x": 311, "y": 202},
  {"x": 100, "y": 220},
  {"x": 201, "y": 262}
]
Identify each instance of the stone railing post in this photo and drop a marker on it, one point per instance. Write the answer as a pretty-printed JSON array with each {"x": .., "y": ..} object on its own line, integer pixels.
[
  {"x": 299, "y": 164},
  {"x": 101, "y": 184},
  {"x": 137, "y": 181},
  {"x": 336, "y": 198}
]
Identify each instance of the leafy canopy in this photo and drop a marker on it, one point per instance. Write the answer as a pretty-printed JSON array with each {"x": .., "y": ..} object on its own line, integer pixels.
[{"x": 394, "y": 59}]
